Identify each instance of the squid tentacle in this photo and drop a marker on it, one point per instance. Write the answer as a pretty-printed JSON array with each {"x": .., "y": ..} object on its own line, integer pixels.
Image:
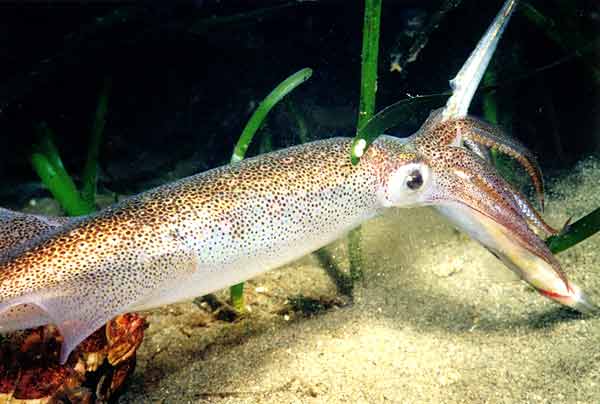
[
  {"x": 477, "y": 135},
  {"x": 517, "y": 200},
  {"x": 531, "y": 214},
  {"x": 484, "y": 134},
  {"x": 483, "y": 190}
]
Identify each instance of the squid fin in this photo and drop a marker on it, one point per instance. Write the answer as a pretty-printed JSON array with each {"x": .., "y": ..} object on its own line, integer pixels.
[{"x": 78, "y": 308}]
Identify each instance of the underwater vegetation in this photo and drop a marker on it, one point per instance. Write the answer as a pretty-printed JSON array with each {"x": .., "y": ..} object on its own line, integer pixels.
[
  {"x": 416, "y": 169},
  {"x": 47, "y": 163}
]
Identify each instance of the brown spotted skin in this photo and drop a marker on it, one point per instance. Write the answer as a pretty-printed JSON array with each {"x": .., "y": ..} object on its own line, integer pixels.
[
  {"x": 434, "y": 135},
  {"x": 20, "y": 228},
  {"x": 212, "y": 230},
  {"x": 194, "y": 236}
]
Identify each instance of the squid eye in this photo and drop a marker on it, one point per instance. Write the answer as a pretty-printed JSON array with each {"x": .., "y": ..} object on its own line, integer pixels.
[{"x": 414, "y": 180}]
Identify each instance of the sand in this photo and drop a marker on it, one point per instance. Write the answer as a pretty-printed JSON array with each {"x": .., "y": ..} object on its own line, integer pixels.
[{"x": 436, "y": 319}]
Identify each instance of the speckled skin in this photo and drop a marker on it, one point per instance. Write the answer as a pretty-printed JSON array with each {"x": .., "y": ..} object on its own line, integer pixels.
[
  {"x": 441, "y": 142},
  {"x": 212, "y": 230},
  {"x": 20, "y": 228},
  {"x": 195, "y": 235},
  {"x": 209, "y": 231}
]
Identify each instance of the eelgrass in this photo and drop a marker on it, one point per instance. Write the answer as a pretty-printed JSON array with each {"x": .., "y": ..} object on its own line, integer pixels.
[
  {"x": 567, "y": 34},
  {"x": 259, "y": 115},
  {"x": 89, "y": 177},
  {"x": 47, "y": 163},
  {"x": 299, "y": 120},
  {"x": 389, "y": 117},
  {"x": 370, "y": 56},
  {"x": 209, "y": 24},
  {"x": 575, "y": 233},
  {"x": 366, "y": 106},
  {"x": 252, "y": 126}
]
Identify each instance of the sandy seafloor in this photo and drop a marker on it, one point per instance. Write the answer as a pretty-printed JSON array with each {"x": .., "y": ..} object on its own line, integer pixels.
[{"x": 437, "y": 319}]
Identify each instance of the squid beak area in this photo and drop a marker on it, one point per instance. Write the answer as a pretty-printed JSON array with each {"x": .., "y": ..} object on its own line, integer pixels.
[{"x": 482, "y": 204}]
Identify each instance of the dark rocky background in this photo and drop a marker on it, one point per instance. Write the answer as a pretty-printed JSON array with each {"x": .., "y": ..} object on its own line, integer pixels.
[{"x": 185, "y": 79}]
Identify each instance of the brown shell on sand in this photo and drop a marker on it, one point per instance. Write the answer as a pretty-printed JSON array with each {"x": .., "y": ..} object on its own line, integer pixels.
[{"x": 30, "y": 371}]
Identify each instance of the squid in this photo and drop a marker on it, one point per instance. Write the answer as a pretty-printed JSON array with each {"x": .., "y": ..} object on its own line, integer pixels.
[{"x": 223, "y": 226}]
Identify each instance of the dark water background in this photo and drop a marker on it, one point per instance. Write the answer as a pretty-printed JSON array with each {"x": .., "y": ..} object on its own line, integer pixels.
[{"x": 183, "y": 86}]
